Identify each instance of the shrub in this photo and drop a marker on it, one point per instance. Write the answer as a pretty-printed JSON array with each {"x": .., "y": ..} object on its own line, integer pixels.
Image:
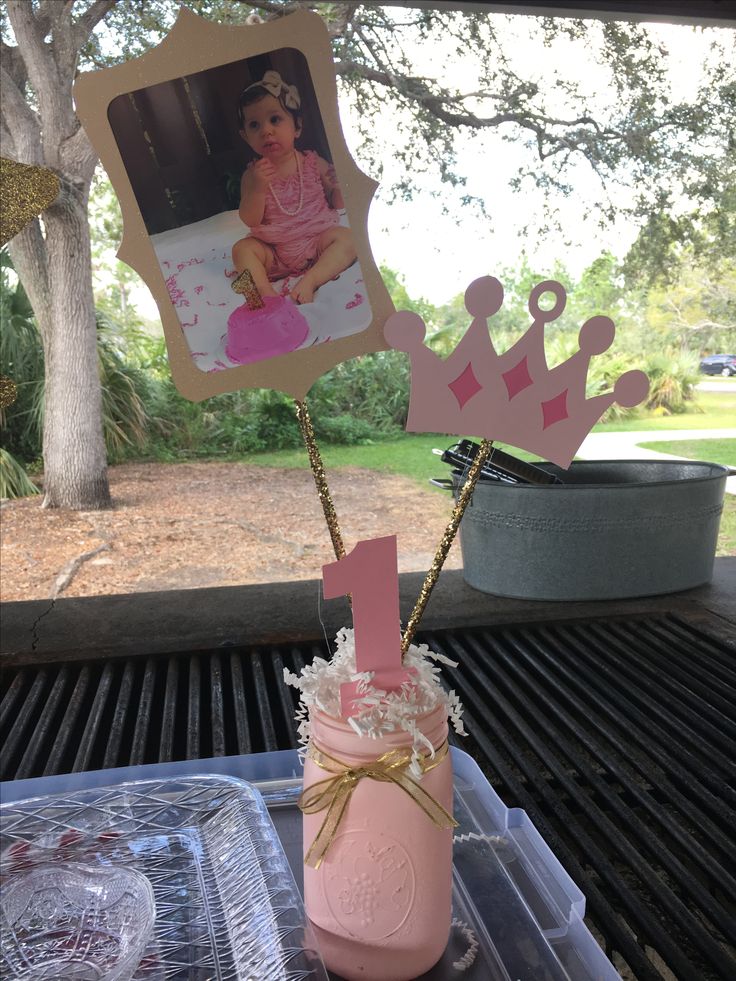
[
  {"x": 672, "y": 380},
  {"x": 21, "y": 358},
  {"x": 125, "y": 392},
  {"x": 673, "y": 376},
  {"x": 350, "y": 430},
  {"x": 14, "y": 481},
  {"x": 373, "y": 389}
]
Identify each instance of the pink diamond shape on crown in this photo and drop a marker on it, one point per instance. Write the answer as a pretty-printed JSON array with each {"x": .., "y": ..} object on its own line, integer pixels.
[
  {"x": 465, "y": 386},
  {"x": 517, "y": 378},
  {"x": 555, "y": 410}
]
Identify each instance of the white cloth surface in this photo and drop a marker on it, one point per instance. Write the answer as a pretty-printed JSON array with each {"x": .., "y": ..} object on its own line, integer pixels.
[{"x": 197, "y": 266}]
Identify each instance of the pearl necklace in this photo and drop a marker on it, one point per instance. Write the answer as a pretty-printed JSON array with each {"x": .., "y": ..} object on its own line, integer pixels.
[{"x": 279, "y": 205}]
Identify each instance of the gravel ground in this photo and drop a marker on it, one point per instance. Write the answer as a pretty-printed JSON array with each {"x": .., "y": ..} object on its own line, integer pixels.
[{"x": 178, "y": 526}]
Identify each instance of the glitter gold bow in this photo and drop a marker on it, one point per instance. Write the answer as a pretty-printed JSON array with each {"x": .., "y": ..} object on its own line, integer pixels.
[
  {"x": 335, "y": 792},
  {"x": 274, "y": 84}
]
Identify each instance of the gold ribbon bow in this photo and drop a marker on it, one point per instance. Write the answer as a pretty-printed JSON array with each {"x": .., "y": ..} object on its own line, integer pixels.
[{"x": 335, "y": 792}]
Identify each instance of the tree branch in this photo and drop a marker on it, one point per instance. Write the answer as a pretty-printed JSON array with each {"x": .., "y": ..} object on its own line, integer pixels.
[
  {"x": 7, "y": 143},
  {"x": 43, "y": 75},
  {"x": 12, "y": 61},
  {"x": 86, "y": 22},
  {"x": 29, "y": 33},
  {"x": 78, "y": 156},
  {"x": 20, "y": 121},
  {"x": 705, "y": 325},
  {"x": 417, "y": 91},
  {"x": 30, "y": 261},
  {"x": 72, "y": 568},
  {"x": 340, "y": 17},
  {"x": 49, "y": 12}
]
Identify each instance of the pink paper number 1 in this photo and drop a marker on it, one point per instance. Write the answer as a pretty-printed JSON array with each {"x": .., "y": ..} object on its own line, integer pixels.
[{"x": 370, "y": 573}]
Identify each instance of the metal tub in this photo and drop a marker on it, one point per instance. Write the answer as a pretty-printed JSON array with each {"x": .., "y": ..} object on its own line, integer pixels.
[{"x": 614, "y": 529}]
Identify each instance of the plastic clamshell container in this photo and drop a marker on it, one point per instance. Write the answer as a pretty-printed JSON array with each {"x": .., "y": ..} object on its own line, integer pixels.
[
  {"x": 613, "y": 529},
  {"x": 510, "y": 892},
  {"x": 227, "y": 906}
]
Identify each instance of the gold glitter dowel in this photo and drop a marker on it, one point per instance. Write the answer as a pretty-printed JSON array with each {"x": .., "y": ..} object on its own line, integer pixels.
[
  {"x": 318, "y": 472},
  {"x": 246, "y": 286},
  {"x": 428, "y": 585},
  {"x": 24, "y": 193}
]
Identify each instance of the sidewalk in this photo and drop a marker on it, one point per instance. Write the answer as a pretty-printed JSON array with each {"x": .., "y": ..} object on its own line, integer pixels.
[{"x": 625, "y": 446}]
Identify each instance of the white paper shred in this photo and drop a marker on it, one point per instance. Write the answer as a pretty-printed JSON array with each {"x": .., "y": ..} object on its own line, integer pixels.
[
  {"x": 468, "y": 957},
  {"x": 380, "y": 712}
]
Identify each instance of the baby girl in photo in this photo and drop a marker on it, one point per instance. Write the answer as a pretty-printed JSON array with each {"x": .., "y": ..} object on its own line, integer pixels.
[{"x": 288, "y": 198}]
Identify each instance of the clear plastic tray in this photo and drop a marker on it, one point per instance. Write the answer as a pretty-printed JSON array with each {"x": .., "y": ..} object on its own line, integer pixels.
[
  {"x": 227, "y": 906},
  {"x": 510, "y": 891}
]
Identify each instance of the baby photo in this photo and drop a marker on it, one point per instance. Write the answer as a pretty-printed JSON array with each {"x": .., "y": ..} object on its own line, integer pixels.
[{"x": 232, "y": 172}]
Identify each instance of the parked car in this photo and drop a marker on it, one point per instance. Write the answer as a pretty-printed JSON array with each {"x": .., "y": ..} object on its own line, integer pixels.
[{"x": 719, "y": 364}]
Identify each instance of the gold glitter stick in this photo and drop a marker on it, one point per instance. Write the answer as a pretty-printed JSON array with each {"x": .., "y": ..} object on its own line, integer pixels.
[
  {"x": 318, "y": 472},
  {"x": 466, "y": 492},
  {"x": 245, "y": 285}
]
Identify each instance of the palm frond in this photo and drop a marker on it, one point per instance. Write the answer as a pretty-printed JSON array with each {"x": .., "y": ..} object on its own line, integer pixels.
[{"x": 14, "y": 481}]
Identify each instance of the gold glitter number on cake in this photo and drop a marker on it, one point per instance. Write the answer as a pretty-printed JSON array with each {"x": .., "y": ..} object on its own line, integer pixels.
[{"x": 246, "y": 286}]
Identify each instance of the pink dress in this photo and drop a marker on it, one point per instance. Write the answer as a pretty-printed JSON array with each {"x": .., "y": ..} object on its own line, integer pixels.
[{"x": 293, "y": 237}]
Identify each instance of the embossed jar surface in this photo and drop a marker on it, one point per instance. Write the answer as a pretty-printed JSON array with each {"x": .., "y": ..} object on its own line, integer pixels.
[
  {"x": 381, "y": 900},
  {"x": 614, "y": 529}
]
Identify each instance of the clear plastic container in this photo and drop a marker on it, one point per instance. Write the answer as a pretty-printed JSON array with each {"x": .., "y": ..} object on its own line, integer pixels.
[
  {"x": 510, "y": 893},
  {"x": 227, "y": 906}
]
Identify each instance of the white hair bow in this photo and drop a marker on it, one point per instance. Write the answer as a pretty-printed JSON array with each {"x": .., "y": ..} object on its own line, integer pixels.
[{"x": 274, "y": 84}]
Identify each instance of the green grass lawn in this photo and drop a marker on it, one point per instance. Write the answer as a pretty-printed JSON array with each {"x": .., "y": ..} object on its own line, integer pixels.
[
  {"x": 713, "y": 450},
  {"x": 410, "y": 455},
  {"x": 711, "y": 410}
]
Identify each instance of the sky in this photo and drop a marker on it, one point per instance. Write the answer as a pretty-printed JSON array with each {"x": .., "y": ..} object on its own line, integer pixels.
[{"x": 438, "y": 254}]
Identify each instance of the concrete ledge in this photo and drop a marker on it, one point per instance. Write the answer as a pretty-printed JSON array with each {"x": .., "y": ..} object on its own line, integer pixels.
[{"x": 198, "y": 619}]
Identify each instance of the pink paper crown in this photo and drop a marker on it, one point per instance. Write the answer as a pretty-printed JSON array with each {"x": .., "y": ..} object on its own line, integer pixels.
[{"x": 511, "y": 397}]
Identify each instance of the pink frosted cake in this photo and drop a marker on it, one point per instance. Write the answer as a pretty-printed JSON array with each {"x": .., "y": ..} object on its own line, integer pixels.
[{"x": 255, "y": 335}]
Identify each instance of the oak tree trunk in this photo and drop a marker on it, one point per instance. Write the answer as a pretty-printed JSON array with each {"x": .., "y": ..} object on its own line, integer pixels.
[
  {"x": 38, "y": 125},
  {"x": 75, "y": 466}
]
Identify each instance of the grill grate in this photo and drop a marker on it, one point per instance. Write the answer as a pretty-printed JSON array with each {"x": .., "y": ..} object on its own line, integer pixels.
[{"x": 616, "y": 736}]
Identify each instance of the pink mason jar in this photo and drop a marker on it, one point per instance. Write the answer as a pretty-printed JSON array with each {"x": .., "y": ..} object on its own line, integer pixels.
[{"x": 381, "y": 898}]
